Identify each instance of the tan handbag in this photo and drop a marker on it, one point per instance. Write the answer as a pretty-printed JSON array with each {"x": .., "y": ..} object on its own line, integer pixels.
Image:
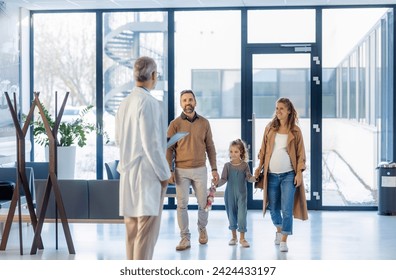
[{"x": 260, "y": 181}]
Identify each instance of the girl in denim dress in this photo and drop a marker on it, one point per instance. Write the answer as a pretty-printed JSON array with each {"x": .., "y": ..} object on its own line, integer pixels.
[{"x": 236, "y": 173}]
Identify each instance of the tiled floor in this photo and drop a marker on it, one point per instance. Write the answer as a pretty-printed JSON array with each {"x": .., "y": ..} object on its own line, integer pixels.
[{"x": 327, "y": 235}]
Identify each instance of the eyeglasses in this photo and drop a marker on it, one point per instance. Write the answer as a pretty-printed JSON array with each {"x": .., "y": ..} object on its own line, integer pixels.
[{"x": 158, "y": 75}]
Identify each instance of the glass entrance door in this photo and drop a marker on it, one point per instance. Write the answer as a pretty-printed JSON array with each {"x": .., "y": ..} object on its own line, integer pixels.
[{"x": 275, "y": 75}]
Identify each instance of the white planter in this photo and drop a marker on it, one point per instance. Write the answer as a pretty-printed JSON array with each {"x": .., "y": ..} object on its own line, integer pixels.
[{"x": 66, "y": 161}]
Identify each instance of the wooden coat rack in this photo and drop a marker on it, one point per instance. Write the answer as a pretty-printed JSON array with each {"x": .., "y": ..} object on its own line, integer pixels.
[
  {"x": 52, "y": 181},
  {"x": 21, "y": 179}
]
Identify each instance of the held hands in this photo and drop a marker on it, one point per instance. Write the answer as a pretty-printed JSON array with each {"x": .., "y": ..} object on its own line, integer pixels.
[
  {"x": 172, "y": 178},
  {"x": 210, "y": 198},
  {"x": 216, "y": 177}
]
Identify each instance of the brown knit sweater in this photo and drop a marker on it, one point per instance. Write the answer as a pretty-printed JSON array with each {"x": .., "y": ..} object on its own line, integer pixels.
[{"x": 189, "y": 152}]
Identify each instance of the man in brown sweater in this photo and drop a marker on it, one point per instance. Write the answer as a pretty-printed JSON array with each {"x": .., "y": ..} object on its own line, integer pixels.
[{"x": 188, "y": 156}]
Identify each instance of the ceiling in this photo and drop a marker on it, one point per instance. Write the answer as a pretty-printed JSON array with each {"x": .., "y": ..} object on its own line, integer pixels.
[{"x": 137, "y": 4}]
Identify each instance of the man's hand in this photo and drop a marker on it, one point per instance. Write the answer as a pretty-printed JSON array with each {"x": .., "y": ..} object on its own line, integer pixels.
[
  {"x": 172, "y": 178},
  {"x": 216, "y": 177}
]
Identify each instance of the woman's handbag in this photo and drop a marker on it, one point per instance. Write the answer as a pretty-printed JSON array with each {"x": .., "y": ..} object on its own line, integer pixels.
[{"x": 260, "y": 181}]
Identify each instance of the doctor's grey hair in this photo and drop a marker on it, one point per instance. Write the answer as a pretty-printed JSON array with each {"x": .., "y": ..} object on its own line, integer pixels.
[{"x": 143, "y": 69}]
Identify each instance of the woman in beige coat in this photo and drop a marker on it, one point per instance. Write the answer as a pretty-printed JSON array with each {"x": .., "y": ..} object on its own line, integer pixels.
[{"x": 282, "y": 159}]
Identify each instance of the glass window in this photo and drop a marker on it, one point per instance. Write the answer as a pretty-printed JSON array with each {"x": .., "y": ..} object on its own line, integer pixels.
[
  {"x": 281, "y": 26},
  {"x": 9, "y": 81},
  {"x": 351, "y": 47},
  {"x": 373, "y": 68},
  {"x": 65, "y": 61},
  {"x": 352, "y": 85},
  {"x": 207, "y": 60},
  {"x": 363, "y": 81},
  {"x": 127, "y": 36},
  {"x": 344, "y": 90}
]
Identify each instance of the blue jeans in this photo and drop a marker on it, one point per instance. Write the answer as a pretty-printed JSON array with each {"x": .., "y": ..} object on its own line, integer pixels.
[{"x": 281, "y": 192}]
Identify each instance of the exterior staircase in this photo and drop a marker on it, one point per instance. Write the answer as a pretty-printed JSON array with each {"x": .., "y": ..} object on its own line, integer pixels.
[{"x": 122, "y": 46}]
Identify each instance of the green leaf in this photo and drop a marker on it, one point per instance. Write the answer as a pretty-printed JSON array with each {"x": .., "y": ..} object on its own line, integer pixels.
[{"x": 69, "y": 133}]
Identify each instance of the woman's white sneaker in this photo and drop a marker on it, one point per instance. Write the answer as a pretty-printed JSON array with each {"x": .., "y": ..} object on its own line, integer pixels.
[
  {"x": 278, "y": 237},
  {"x": 283, "y": 247}
]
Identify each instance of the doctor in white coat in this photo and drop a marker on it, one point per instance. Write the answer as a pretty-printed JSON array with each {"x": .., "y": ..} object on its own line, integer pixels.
[{"x": 140, "y": 133}]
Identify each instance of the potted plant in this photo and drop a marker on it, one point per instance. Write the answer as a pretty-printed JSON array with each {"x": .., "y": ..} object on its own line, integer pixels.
[{"x": 70, "y": 134}]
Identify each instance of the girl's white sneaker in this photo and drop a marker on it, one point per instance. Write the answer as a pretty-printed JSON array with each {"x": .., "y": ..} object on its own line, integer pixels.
[{"x": 232, "y": 242}]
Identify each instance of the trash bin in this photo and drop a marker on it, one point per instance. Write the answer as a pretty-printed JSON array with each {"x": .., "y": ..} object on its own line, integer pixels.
[{"x": 386, "y": 188}]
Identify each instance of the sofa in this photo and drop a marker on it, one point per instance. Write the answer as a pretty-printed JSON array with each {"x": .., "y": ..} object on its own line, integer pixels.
[
  {"x": 87, "y": 199},
  {"x": 8, "y": 177},
  {"x": 83, "y": 199}
]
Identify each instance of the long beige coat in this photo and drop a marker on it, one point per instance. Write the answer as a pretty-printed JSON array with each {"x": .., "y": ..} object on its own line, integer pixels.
[{"x": 295, "y": 149}]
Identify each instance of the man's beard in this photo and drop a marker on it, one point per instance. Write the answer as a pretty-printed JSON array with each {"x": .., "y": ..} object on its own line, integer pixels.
[{"x": 189, "y": 109}]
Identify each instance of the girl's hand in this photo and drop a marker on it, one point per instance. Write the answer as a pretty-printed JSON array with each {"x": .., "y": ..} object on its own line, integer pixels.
[{"x": 216, "y": 177}]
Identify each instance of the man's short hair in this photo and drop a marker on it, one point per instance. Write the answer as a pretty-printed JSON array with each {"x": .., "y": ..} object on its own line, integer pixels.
[
  {"x": 187, "y": 91},
  {"x": 143, "y": 68}
]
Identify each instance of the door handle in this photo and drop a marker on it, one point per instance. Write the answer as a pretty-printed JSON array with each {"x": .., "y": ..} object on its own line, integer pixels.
[{"x": 251, "y": 147}]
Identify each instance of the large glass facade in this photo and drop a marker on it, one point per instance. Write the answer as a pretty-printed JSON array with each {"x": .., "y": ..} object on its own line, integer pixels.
[
  {"x": 355, "y": 62},
  {"x": 356, "y": 86}
]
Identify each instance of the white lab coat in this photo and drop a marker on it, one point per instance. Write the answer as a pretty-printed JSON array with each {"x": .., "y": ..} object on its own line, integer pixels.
[{"x": 140, "y": 133}]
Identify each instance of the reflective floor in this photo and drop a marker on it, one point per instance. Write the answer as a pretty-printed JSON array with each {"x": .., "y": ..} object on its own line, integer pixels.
[{"x": 327, "y": 235}]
